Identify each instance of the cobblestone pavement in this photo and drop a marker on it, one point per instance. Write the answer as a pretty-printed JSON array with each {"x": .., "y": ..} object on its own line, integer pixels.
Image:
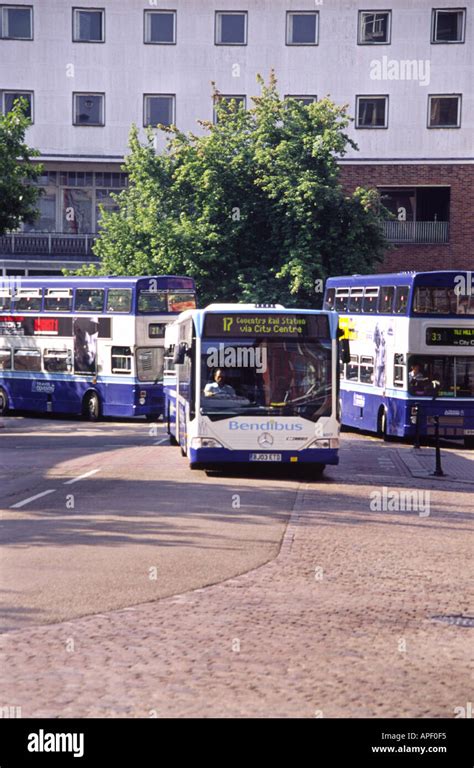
[{"x": 340, "y": 624}]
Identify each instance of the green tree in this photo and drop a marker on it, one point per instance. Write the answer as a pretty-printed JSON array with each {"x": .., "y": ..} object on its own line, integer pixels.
[
  {"x": 253, "y": 209},
  {"x": 18, "y": 197}
]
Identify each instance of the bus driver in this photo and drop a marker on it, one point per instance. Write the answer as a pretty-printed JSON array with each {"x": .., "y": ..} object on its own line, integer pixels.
[{"x": 218, "y": 386}]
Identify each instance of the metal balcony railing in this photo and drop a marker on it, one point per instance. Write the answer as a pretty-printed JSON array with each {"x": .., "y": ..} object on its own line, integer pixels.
[
  {"x": 417, "y": 231},
  {"x": 52, "y": 244}
]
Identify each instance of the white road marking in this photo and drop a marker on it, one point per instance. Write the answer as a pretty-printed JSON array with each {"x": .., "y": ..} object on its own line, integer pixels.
[
  {"x": 81, "y": 477},
  {"x": 161, "y": 441},
  {"x": 31, "y": 498}
]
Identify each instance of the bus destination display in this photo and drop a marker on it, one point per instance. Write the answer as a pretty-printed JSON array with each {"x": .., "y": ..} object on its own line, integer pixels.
[
  {"x": 273, "y": 325},
  {"x": 450, "y": 337}
]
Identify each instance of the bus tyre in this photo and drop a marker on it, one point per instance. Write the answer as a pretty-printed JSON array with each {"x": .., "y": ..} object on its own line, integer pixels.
[
  {"x": 3, "y": 402},
  {"x": 91, "y": 406},
  {"x": 469, "y": 443},
  {"x": 319, "y": 470}
]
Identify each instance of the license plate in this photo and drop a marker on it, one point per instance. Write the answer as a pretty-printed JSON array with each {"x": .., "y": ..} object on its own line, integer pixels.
[
  {"x": 469, "y": 431},
  {"x": 265, "y": 457}
]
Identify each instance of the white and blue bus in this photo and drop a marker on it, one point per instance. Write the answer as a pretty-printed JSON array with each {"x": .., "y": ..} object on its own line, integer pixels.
[
  {"x": 412, "y": 352},
  {"x": 87, "y": 345},
  {"x": 247, "y": 383}
]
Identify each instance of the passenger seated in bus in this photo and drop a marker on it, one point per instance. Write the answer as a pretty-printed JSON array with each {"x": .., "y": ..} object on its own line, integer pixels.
[{"x": 218, "y": 386}]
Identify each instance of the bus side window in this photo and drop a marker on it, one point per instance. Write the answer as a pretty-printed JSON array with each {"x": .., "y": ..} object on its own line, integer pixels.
[
  {"x": 367, "y": 369},
  {"x": 386, "y": 299},
  {"x": 342, "y": 298},
  {"x": 352, "y": 369},
  {"x": 5, "y": 359},
  {"x": 398, "y": 370},
  {"x": 401, "y": 299},
  {"x": 5, "y": 300},
  {"x": 356, "y": 298},
  {"x": 370, "y": 300},
  {"x": 57, "y": 360},
  {"x": 329, "y": 298},
  {"x": 121, "y": 360}
]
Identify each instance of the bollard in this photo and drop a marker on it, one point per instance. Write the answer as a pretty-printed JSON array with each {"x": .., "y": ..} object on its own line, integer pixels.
[
  {"x": 416, "y": 443},
  {"x": 438, "y": 471}
]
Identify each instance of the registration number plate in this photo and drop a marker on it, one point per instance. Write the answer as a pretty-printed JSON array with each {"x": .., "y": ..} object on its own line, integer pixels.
[
  {"x": 265, "y": 457},
  {"x": 469, "y": 431}
]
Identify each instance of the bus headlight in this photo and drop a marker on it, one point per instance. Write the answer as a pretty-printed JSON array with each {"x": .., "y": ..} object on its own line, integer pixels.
[
  {"x": 325, "y": 442},
  {"x": 205, "y": 442}
]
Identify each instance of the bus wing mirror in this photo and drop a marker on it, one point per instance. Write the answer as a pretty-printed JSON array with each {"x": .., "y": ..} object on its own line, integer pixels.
[
  {"x": 345, "y": 351},
  {"x": 179, "y": 353}
]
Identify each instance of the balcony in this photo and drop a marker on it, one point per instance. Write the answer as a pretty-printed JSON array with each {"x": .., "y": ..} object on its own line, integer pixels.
[
  {"x": 52, "y": 245},
  {"x": 416, "y": 231}
]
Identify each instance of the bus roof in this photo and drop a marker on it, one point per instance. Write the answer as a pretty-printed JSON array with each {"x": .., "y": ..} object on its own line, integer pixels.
[
  {"x": 434, "y": 278},
  {"x": 72, "y": 281}
]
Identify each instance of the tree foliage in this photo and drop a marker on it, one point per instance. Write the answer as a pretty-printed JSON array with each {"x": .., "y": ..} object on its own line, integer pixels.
[
  {"x": 253, "y": 209},
  {"x": 18, "y": 197}
]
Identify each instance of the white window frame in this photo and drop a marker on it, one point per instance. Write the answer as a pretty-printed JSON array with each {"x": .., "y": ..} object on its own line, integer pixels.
[
  {"x": 374, "y": 97},
  {"x": 147, "y": 27},
  {"x": 4, "y": 12},
  {"x": 76, "y": 26},
  {"x": 20, "y": 93},
  {"x": 228, "y": 97},
  {"x": 457, "y": 96},
  {"x": 74, "y": 110},
  {"x": 147, "y": 96},
  {"x": 434, "y": 25},
  {"x": 360, "y": 39},
  {"x": 302, "y": 96},
  {"x": 289, "y": 16},
  {"x": 218, "y": 26}
]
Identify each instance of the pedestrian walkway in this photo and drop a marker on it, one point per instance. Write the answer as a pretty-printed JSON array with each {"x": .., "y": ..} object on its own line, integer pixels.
[{"x": 457, "y": 465}]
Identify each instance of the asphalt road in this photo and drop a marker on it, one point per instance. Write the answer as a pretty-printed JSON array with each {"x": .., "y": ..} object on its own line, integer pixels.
[{"x": 103, "y": 516}]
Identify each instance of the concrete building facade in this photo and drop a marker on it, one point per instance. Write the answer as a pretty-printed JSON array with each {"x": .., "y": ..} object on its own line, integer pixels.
[{"x": 90, "y": 70}]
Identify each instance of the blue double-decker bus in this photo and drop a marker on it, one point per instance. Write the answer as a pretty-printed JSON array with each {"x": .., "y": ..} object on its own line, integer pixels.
[
  {"x": 412, "y": 352},
  {"x": 87, "y": 345}
]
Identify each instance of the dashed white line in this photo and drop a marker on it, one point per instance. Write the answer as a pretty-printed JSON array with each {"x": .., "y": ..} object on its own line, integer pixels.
[
  {"x": 81, "y": 477},
  {"x": 31, "y": 498}
]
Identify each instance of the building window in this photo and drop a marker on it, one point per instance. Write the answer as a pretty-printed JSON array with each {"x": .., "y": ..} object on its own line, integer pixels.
[
  {"x": 16, "y": 22},
  {"x": 160, "y": 27},
  {"x": 88, "y": 25},
  {"x": 89, "y": 109},
  {"x": 448, "y": 25},
  {"x": 372, "y": 112},
  {"x": 302, "y": 28},
  {"x": 158, "y": 108},
  {"x": 9, "y": 98},
  {"x": 228, "y": 103},
  {"x": 231, "y": 28},
  {"x": 444, "y": 111},
  {"x": 77, "y": 211},
  {"x": 374, "y": 28},
  {"x": 304, "y": 100}
]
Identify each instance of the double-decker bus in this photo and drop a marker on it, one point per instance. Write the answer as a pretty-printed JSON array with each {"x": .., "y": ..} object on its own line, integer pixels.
[
  {"x": 87, "y": 345},
  {"x": 412, "y": 352},
  {"x": 254, "y": 384}
]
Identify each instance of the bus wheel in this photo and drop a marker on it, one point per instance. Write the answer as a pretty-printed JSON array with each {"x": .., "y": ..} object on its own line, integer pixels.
[
  {"x": 469, "y": 443},
  {"x": 3, "y": 402},
  {"x": 318, "y": 469},
  {"x": 91, "y": 407}
]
